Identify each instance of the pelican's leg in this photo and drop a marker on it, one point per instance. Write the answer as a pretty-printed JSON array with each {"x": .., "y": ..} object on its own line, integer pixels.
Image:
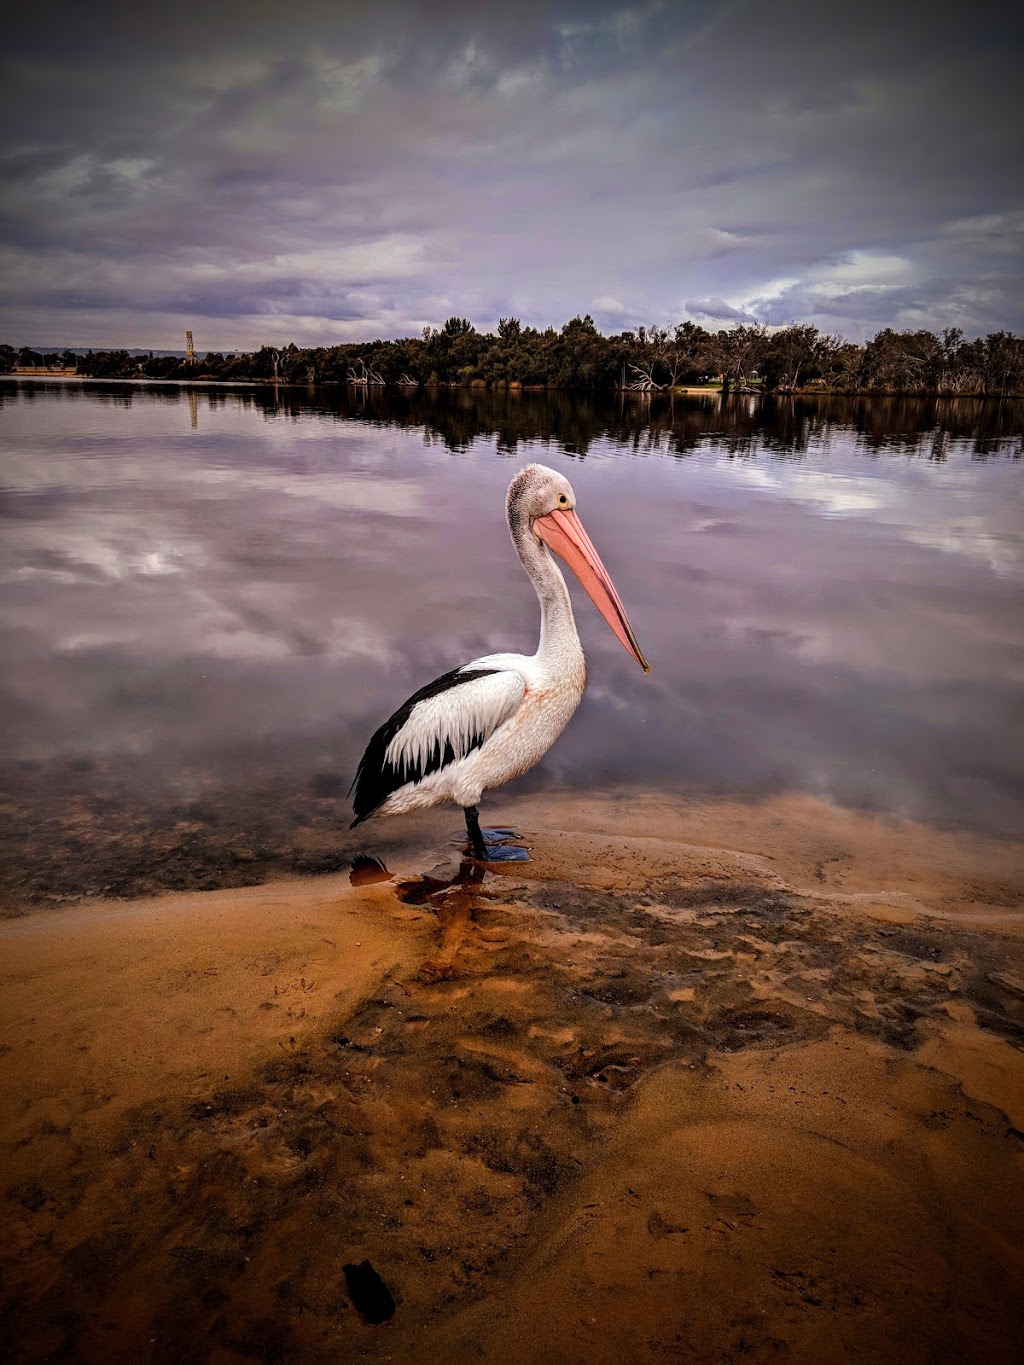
[
  {"x": 473, "y": 830},
  {"x": 501, "y": 850}
]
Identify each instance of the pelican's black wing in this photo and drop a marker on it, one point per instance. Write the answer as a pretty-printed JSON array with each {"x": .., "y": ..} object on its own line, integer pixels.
[{"x": 424, "y": 735}]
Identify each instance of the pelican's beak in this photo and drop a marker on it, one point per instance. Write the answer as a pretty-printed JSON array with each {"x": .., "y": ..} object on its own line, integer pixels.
[{"x": 562, "y": 532}]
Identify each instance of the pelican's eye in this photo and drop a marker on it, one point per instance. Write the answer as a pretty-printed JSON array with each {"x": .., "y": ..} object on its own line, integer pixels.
[{"x": 563, "y": 501}]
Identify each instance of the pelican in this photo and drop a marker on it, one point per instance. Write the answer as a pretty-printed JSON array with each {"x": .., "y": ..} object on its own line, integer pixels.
[{"x": 492, "y": 719}]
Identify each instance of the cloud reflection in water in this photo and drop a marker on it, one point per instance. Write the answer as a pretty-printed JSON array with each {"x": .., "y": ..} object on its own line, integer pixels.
[{"x": 822, "y": 612}]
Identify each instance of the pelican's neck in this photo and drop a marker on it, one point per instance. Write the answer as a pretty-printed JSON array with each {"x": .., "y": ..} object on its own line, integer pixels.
[{"x": 559, "y": 647}]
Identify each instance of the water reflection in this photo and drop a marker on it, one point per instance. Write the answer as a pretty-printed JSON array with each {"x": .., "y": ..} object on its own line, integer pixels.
[
  {"x": 367, "y": 871},
  {"x": 215, "y": 592},
  {"x": 788, "y": 426}
]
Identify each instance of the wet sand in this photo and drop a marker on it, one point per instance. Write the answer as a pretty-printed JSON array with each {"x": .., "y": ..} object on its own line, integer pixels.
[{"x": 701, "y": 1081}]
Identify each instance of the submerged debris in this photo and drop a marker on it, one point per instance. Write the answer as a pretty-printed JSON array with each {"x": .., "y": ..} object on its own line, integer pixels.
[{"x": 370, "y": 1296}]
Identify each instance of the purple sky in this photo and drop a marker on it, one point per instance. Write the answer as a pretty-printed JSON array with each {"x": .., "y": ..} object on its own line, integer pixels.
[{"x": 322, "y": 172}]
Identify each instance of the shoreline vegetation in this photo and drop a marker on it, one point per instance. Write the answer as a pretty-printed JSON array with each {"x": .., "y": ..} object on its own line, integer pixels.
[{"x": 747, "y": 359}]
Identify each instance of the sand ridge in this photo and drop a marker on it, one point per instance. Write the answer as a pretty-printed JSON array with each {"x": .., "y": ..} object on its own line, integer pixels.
[{"x": 700, "y": 1081}]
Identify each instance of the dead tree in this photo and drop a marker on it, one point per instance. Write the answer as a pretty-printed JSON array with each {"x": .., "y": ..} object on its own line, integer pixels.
[
  {"x": 365, "y": 376},
  {"x": 644, "y": 381}
]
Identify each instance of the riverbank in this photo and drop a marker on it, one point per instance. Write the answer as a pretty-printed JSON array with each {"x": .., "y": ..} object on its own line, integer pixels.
[
  {"x": 699, "y": 1080},
  {"x": 145, "y": 381},
  {"x": 499, "y": 390}
]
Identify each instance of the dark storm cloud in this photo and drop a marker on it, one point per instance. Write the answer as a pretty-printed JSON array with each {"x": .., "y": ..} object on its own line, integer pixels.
[{"x": 327, "y": 171}]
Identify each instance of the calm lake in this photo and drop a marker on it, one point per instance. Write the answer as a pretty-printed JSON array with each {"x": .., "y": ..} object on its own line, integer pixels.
[{"x": 212, "y": 598}]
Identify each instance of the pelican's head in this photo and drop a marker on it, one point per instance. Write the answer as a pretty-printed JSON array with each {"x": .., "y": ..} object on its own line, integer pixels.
[{"x": 543, "y": 499}]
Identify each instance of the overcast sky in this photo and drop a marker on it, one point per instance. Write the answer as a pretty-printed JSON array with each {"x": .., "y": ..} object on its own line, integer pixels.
[{"x": 323, "y": 172}]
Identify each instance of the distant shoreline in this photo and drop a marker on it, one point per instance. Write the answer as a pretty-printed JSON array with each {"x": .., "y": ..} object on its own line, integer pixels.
[
  {"x": 145, "y": 382},
  {"x": 682, "y": 391}
]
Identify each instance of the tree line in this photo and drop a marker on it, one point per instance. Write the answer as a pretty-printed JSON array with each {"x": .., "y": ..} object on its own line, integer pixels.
[{"x": 578, "y": 356}]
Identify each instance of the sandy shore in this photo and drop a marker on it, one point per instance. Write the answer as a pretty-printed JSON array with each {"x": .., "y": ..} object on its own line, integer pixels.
[{"x": 699, "y": 1081}]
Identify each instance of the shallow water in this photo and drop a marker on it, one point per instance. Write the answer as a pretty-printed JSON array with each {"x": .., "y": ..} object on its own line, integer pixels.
[{"x": 212, "y": 590}]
